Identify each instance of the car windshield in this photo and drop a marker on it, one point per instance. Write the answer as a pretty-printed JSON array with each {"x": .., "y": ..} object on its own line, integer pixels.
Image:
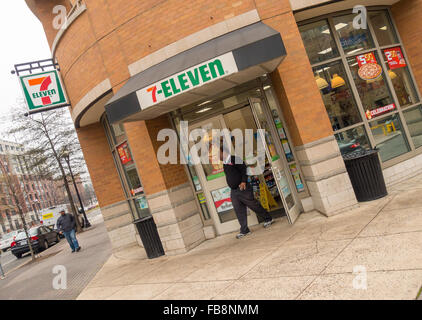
[{"x": 22, "y": 235}]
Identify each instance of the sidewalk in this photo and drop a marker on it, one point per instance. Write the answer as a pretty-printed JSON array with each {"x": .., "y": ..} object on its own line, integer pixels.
[{"x": 313, "y": 259}]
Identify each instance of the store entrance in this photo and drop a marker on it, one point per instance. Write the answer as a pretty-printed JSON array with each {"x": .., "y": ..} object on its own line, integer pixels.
[{"x": 272, "y": 187}]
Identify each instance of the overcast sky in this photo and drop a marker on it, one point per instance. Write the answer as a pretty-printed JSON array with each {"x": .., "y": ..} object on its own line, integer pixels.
[{"x": 23, "y": 40}]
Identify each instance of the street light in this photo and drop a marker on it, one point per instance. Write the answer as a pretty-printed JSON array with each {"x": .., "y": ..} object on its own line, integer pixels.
[{"x": 66, "y": 157}]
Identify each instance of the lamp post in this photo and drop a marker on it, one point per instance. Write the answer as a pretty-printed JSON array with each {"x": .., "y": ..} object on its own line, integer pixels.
[{"x": 67, "y": 159}]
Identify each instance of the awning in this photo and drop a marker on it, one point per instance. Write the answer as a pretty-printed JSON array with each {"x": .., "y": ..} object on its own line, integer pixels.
[{"x": 200, "y": 72}]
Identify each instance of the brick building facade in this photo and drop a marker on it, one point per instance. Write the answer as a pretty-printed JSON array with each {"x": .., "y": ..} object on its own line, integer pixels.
[
  {"x": 36, "y": 192},
  {"x": 109, "y": 48}
]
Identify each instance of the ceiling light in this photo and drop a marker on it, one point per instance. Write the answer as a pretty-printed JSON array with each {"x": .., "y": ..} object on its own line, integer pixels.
[
  {"x": 353, "y": 51},
  {"x": 325, "y": 51},
  {"x": 340, "y": 25},
  {"x": 337, "y": 81},
  {"x": 383, "y": 28},
  {"x": 203, "y": 110},
  {"x": 321, "y": 83},
  {"x": 205, "y": 102},
  {"x": 267, "y": 87}
]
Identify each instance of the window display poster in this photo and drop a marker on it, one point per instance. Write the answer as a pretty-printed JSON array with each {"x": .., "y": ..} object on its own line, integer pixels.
[
  {"x": 136, "y": 191},
  {"x": 366, "y": 58},
  {"x": 222, "y": 200},
  {"x": 201, "y": 198},
  {"x": 124, "y": 154},
  {"x": 287, "y": 150},
  {"x": 282, "y": 182},
  {"x": 196, "y": 183},
  {"x": 142, "y": 202},
  {"x": 296, "y": 177},
  {"x": 395, "y": 58}
]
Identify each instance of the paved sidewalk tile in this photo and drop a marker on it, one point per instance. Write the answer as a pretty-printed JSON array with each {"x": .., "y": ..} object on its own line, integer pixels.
[
  {"x": 194, "y": 290},
  {"x": 281, "y": 288},
  {"x": 391, "y": 252},
  {"x": 382, "y": 285}
]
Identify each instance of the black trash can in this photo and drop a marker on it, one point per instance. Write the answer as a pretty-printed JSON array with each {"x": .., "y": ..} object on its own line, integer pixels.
[
  {"x": 149, "y": 235},
  {"x": 365, "y": 174}
]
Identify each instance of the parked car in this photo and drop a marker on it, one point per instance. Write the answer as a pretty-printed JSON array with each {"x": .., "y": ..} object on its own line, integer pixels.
[
  {"x": 7, "y": 239},
  {"x": 41, "y": 238}
]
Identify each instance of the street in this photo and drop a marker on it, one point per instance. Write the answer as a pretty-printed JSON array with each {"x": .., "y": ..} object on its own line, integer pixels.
[{"x": 34, "y": 280}]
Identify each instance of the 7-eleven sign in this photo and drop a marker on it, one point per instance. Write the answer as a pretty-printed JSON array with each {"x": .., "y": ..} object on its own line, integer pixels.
[{"x": 43, "y": 90}]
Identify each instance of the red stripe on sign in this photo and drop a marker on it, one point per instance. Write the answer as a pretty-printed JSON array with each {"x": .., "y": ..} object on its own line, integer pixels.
[
  {"x": 220, "y": 202},
  {"x": 44, "y": 87}
]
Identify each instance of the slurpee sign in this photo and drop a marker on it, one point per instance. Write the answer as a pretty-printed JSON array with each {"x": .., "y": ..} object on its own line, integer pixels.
[{"x": 43, "y": 90}]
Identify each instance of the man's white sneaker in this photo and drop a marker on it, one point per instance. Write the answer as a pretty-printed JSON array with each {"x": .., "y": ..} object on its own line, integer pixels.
[
  {"x": 268, "y": 223},
  {"x": 241, "y": 235}
]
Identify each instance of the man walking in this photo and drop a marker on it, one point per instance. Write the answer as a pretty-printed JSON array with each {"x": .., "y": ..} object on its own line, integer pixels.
[
  {"x": 241, "y": 191},
  {"x": 66, "y": 225}
]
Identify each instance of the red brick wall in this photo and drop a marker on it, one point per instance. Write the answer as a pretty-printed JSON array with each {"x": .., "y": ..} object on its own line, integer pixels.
[{"x": 408, "y": 17}]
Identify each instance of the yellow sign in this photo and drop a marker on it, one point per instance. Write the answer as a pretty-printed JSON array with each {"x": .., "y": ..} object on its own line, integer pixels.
[
  {"x": 47, "y": 216},
  {"x": 265, "y": 197}
]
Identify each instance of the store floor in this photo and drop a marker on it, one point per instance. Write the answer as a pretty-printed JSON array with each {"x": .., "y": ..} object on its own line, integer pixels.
[{"x": 371, "y": 252}]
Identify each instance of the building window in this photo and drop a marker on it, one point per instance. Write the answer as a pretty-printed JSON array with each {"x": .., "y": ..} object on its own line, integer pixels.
[
  {"x": 337, "y": 95},
  {"x": 127, "y": 170},
  {"x": 366, "y": 83}
]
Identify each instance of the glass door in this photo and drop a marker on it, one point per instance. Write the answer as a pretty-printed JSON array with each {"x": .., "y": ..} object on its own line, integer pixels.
[
  {"x": 278, "y": 163},
  {"x": 212, "y": 177}
]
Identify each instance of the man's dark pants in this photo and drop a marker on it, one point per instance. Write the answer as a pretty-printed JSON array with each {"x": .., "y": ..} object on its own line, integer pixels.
[{"x": 245, "y": 199}]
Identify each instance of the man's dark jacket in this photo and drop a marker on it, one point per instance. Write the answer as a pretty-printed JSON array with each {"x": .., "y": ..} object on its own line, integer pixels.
[
  {"x": 235, "y": 172},
  {"x": 66, "y": 223}
]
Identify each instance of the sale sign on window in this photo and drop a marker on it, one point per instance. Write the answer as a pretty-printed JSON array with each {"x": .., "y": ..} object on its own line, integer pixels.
[
  {"x": 366, "y": 58},
  {"x": 395, "y": 58},
  {"x": 124, "y": 153}
]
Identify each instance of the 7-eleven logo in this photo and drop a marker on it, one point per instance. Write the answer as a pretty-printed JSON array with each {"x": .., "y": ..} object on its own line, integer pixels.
[
  {"x": 45, "y": 83},
  {"x": 43, "y": 90}
]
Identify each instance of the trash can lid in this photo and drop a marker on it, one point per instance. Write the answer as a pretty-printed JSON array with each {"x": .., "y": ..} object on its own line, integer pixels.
[{"x": 359, "y": 154}]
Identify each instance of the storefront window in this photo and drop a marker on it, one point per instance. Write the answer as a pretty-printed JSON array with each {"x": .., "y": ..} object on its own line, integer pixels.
[
  {"x": 338, "y": 98},
  {"x": 126, "y": 168},
  {"x": 400, "y": 76},
  {"x": 352, "y": 40},
  {"x": 389, "y": 137},
  {"x": 118, "y": 133},
  {"x": 364, "y": 93},
  {"x": 413, "y": 118},
  {"x": 352, "y": 140},
  {"x": 319, "y": 42},
  {"x": 383, "y": 28},
  {"x": 371, "y": 85}
]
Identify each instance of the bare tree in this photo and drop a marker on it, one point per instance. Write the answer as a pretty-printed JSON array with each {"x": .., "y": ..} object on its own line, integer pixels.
[
  {"x": 46, "y": 136},
  {"x": 13, "y": 184}
]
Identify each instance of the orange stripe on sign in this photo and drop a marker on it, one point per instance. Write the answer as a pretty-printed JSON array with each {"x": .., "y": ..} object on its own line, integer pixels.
[{"x": 34, "y": 82}]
